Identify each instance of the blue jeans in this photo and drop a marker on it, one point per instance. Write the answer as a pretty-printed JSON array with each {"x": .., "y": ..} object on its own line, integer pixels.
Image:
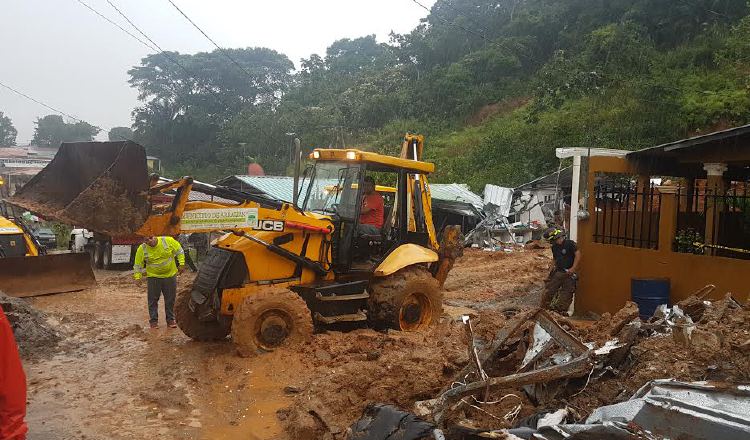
[{"x": 157, "y": 287}]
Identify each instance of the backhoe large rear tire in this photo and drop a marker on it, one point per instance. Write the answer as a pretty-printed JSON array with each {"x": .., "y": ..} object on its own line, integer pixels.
[
  {"x": 408, "y": 300},
  {"x": 271, "y": 319},
  {"x": 189, "y": 323}
]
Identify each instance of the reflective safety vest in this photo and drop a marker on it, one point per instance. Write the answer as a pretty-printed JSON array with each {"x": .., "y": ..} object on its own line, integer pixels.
[{"x": 158, "y": 261}]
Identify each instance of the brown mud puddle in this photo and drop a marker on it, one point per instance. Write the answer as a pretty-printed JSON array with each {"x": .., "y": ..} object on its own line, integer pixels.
[{"x": 111, "y": 378}]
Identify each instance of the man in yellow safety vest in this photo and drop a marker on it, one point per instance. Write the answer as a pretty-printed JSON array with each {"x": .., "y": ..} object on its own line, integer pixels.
[{"x": 156, "y": 257}]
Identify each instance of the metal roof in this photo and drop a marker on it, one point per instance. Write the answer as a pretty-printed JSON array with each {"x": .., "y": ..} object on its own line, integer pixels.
[
  {"x": 280, "y": 187},
  {"x": 456, "y": 192},
  {"x": 695, "y": 140},
  {"x": 196, "y": 196}
]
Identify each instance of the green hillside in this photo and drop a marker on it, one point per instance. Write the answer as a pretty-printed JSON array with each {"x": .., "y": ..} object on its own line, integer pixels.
[{"x": 495, "y": 86}]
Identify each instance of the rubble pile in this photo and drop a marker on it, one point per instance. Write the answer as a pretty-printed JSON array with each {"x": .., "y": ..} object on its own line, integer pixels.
[
  {"x": 34, "y": 335},
  {"x": 539, "y": 366},
  {"x": 350, "y": 370},
  {"x": 716, "y": 350}
]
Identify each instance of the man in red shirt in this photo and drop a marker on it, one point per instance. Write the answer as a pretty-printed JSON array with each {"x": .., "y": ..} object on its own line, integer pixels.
[
  {"x": 371, "y": 215},
  {"x": 12, "y": 385}
]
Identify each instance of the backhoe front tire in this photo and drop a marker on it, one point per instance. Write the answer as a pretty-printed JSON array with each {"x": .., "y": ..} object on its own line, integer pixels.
[
  {"x": 191, "y": 326},
  {"x": 107, "y": 256},
  {"x": 408, "y": 300},
  {"x": 98, "y": 255},
  {"x": 270, "y": 319}
]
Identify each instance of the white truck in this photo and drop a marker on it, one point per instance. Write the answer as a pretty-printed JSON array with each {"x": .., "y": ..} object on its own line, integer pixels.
[{"x": 106, "y": 252}]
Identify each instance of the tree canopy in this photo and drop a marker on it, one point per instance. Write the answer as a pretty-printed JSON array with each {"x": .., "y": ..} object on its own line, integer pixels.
[
  {"x": 495, "y": 86},
  {"x": 52, "y": 130},
  {"x": 120, "y": 134},
  {"x": 7, "y": 131}
]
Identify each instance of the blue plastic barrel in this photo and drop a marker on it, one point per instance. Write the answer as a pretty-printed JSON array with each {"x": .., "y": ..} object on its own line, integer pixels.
[{"x": 649, "y": 293}]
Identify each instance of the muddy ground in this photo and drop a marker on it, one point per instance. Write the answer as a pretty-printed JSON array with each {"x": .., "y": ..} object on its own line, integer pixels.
[{"x": 111, "y": 377}]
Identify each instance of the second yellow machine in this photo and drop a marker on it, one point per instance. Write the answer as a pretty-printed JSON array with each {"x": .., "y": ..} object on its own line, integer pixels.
[{"x": 280, "y": 268}]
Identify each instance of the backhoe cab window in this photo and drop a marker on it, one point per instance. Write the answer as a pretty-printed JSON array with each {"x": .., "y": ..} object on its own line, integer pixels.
[{"x": 333, "y": 189}]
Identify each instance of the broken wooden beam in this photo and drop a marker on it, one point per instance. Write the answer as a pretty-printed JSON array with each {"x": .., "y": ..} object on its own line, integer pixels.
[{"x": 577, "y": 367}]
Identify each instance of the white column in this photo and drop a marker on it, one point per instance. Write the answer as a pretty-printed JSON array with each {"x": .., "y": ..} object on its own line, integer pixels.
[
  {"x": 715, "y": 169},
  {"x": 574, "y": 203}
]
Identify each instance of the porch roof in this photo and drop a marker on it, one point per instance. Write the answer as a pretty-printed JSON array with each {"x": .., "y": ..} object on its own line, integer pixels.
[{"x": 687, "y": 156}]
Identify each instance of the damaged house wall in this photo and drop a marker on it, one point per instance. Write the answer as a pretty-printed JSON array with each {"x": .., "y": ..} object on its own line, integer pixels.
[{"x": 607, "y": 269}]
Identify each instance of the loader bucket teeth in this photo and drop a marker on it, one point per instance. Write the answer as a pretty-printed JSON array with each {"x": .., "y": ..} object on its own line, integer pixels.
[{"x": 101, "y": 186}]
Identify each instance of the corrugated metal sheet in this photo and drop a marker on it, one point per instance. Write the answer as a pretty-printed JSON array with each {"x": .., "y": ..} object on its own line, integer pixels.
[
  {"x": 456, "y": 192},
  {"x": 500, "y": 197},
  {"x": 199, "y": 196},
  {"x": 280, "y": 187}
]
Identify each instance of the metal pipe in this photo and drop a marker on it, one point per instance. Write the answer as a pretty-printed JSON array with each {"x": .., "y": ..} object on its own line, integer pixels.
[{"x": 297, "y": 162}]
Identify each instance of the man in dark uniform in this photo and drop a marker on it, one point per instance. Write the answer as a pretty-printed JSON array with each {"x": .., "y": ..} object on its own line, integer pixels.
[{"x": 561, "y": 283}]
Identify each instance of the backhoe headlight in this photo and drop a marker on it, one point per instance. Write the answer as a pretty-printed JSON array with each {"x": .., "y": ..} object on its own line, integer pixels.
[
  {"x": 316, "y": 154},
  {"x": 351, "y": 155}
]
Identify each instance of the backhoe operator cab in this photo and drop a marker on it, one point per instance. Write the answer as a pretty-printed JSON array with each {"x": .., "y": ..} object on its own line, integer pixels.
[{"x": 335, "y": 187}]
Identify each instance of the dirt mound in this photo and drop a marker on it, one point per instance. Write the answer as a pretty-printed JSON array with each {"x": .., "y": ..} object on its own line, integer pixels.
[
  {"x": 34, "y": 335},
  {"x": 350, "y": 370},
  {"x": 490, "y": 279}
]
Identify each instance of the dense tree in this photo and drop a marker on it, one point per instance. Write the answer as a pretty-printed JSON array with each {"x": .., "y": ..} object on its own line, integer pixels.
[
  {"x": 120, "y": 134},
  {"x": 185, "y": 106},
  {"x": 496, "y": 86},
  {"x": 7, "y": 131},
  {"x": 52, "y": 130}
]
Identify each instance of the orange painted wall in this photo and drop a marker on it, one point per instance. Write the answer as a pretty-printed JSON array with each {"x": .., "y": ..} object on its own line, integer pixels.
[{"x": 606, "y": 270}]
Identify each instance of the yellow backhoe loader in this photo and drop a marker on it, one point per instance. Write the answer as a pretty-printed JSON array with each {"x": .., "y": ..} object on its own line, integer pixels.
[
  {"x": 281, "y": 268},
  {"x": 26, "y": 269}
]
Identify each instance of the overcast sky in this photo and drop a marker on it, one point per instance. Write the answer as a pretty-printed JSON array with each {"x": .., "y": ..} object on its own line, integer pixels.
[{"x": 61, "y": 53}]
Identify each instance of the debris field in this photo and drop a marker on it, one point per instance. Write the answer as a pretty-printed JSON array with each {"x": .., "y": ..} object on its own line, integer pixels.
[{"x": 98, "y": 374}]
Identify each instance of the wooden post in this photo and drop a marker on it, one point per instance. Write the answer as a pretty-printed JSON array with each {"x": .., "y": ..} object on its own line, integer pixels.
[
  {"x": 714, "y": 188},
  {"x": 644, "y": 183},
  {"x": 667, "y": 217}
]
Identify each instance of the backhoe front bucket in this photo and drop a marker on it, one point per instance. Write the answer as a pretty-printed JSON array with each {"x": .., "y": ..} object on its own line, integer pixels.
[
  {"x": 100, "y": 186},
  {"x": 45, "y": 274}
]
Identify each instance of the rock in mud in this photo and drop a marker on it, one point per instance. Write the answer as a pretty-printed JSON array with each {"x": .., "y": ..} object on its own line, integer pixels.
[{"x": 34, "y": 335}]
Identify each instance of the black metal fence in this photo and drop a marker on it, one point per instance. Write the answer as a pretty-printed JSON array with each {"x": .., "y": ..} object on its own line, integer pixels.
[
  {"x": 625, "y": 214},
  {"x": 714, "y": 220}
]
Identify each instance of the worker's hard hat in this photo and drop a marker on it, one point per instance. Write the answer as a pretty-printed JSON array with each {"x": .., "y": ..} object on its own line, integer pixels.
[{"x": 553, "y": 234}]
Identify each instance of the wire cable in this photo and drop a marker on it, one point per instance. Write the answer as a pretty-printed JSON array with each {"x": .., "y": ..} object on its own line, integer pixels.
[
  {"x": 134, "y": 26},
  {"x": 116, "y": 24},
  {"x": 49, "y": 107},
  {"x": 221, "y": 49},
  {"x": 161, "y": 51}
]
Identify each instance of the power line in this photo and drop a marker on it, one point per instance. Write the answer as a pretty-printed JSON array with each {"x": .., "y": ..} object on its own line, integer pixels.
[
  {"x": 134, "y": 26},
  {"x": 153, "y": 46},
  {"x": 49, "y": 107},
  {"x": 161, "y": 51},
  {"x": 221, "y": 49},
  {"x": 116, "y": 24}
]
